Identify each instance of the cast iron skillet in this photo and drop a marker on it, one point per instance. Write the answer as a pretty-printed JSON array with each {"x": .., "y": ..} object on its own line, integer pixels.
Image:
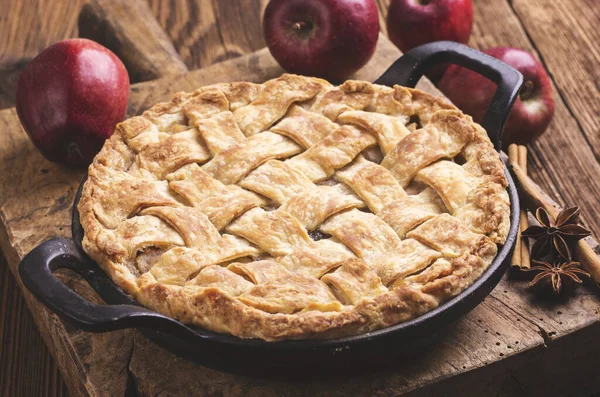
[{"x": 254, "y": 356}]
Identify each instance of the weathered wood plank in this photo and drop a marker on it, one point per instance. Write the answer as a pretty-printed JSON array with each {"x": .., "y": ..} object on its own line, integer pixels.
[
  {"x": 568, "y": 40},
  {"x": 129, "y": 29},
  {"x": 22, "y": 346},
  {"x": 205, "y": 32},
  {"x": 562, "y": 369},
  {"x": 55, "y": 19},
  {"x": 27, "y": 27}
]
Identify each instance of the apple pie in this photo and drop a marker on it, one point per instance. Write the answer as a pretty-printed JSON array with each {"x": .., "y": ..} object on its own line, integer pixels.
[{"x": 296, "y": 209}]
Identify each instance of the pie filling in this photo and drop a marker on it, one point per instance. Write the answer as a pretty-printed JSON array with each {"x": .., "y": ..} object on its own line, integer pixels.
[{"x": 296, "y": 209}]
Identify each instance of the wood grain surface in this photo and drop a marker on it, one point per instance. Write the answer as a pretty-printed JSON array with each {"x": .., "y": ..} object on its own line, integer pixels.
[
  {"x": 129, "y": 29},
  {"x": 512, "y": 344},
  {"x": 23, "y": 351},
  {"x": 210, "y": 31},
  {"x": 567, "y": 38},
  {"x": 27, "y": 27}
]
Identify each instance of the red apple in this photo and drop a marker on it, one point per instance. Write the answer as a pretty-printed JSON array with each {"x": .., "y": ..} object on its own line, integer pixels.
[
  {"x": 411, "y": 23},
  {"x": 69, "y": 99},
  {"x": 325, "y": 38},
  {"x": 533, "y": 109}
]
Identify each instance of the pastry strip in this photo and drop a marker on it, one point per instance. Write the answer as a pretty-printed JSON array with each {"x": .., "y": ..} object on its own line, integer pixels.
[
  {"x": 125, "y": 198},
  {"x": 405, "y": 214},
  {"x": 194, "y": 227},
  {"x": 351, "y": 95},
  {"x": 291, "y": 294},
  {"x": 277, "y": 181},
  {"x": 409, "y": 258},
  {"x": 259, "y": 272},
  {"x": 446, "y": 234},
  {"x": 395, "y": 102},
  {"x": 317, "y": 258},
  {"x": 313, "y": 206},
  {"x": 205, "y": 103},
  {"x": 180, "y": 264},
  {"x": 485, "y": 211},
  {"x": 220, "y": 132},
  {"x": 274, "y": 100},
  {"x": 372, "y": 182},
  {"x": 338, "y": 149},
  {"x": 353, "y": 282},
  {"x": 450, "y": 181},
  {"x": 138, "y": 132},
  {"x": 444, "y": 137},
  {"x": 173, "y": 152},
  {"x": 304, "y": 127},
  {"x": 223, "y": 279},
  {"x": 166, "y": 116},
  {"x": 177, "y": 265},
  {"x": 240, "y": 93},
  {"x": 276, "y": 232},
  {"x": 389, "y": 130},
  {"x": 233, "y": 201},
  {"x": 364, "y": 233},
  {"x": 138, "y": 233},
  {"x": 219, "y": 202},
  {"x": 231, "y": 165}
]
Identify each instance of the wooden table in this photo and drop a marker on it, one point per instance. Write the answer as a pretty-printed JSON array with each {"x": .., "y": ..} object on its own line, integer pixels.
[{"x": 526, "y": 347}]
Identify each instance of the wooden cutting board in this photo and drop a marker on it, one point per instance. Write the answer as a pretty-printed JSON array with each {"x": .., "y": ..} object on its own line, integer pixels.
[{"x": 505, "y": 341}]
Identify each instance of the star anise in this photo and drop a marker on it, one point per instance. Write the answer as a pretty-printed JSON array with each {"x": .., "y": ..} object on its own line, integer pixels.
[
  {"x": 554, "y": 274},
  {"x": 556, "y": 234}
]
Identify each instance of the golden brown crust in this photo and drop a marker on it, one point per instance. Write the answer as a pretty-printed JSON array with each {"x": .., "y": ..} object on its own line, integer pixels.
[{"x": 256, "y": 209}]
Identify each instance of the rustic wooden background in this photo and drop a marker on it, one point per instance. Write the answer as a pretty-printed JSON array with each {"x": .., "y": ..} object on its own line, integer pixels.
[{"x": 562, "y": 33}]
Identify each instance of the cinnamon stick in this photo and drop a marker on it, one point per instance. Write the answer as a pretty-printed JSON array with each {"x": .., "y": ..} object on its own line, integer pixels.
[
  {"x": 534, "y": 194},
  {"x": 523, "y": 157},
  {"x": 525, "y": 259},
  {"x": 518, "y": 155},
  {"x": 513, "y": 157},
  {"x": 536, "y": 197}
]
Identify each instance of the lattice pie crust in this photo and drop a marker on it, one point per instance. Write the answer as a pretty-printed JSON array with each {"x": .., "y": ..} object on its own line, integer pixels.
[{"x": 296, "y": 209}]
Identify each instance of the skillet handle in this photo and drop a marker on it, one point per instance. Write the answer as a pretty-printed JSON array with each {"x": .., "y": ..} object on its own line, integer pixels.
[
  {"x": 410, "y": 67},
  {"x": 36, "y": 271}
]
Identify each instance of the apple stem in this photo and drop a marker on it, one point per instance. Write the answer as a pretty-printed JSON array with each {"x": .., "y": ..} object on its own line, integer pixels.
[
  {"x": 299, "y": 25},
  {"x": 526, "y": 90},
  {"x": 302, "y": 27}
]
